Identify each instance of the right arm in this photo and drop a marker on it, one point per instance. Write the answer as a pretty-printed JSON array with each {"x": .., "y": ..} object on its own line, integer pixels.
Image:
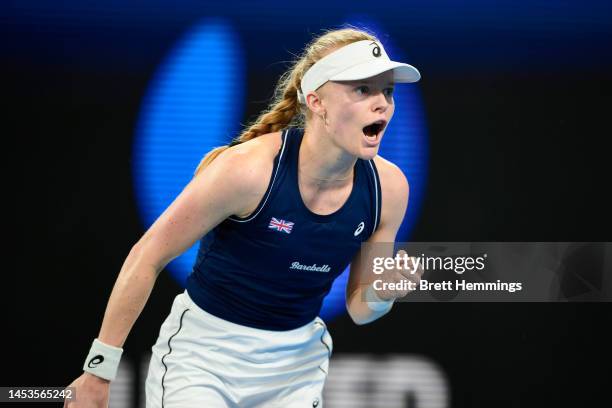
[
  {"x": 232, "y": 184},
  {"x": 225, "y": 188}
]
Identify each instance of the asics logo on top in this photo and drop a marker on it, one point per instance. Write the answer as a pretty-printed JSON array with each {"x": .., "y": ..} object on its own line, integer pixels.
[{"x": 359, "y": 228}]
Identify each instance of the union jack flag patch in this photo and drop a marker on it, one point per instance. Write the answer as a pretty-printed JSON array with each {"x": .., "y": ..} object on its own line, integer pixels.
[{"x": 280, "y": 225}]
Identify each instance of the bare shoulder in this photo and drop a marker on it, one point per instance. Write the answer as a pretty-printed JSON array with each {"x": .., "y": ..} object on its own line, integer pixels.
[
  {"x": 267, "y": 145},
  {"x": 246, "y": 169},
  {"x": 249, "y": 159},
  {"x": 395, "y": 189},
  {"x": 392, "y": 178}
]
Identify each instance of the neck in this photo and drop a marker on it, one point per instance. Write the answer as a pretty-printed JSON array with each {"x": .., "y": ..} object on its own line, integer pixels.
[{"x": 321, "y": 162}]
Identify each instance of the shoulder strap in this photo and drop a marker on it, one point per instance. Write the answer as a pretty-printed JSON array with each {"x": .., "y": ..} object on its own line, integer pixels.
[{"x": 278, "y": 160}]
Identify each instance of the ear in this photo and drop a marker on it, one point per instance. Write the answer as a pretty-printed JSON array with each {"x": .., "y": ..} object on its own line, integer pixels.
[{"x": 315, "y": 103}]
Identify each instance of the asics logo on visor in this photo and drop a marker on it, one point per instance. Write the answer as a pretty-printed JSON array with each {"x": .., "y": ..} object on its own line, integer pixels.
[{"x": 376, "y": 50}]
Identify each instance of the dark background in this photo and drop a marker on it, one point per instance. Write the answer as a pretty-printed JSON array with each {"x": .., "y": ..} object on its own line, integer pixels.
[{"x": 516, "y": 97}]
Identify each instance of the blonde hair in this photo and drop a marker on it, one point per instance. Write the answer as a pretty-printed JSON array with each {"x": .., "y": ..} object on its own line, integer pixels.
[{"x": 285, "y": 108}]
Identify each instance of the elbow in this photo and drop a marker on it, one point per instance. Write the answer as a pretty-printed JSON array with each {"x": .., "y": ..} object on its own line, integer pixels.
[
  {"x": 141, "y": 256},
  {"x": 355, "y": 316},
  {"x": 355, "y": 319},
  {"x": 359, "y": 321},
  {"x": 353, "y": 309},
  {"x": 361, "y": 313},
  {"x": 352, "y": 316}
]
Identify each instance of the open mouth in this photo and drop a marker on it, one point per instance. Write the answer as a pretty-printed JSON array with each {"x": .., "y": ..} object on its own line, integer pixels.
[{"x": 373, "y": 130}]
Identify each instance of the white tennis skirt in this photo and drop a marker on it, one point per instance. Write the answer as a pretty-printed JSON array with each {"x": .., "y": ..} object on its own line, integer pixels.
[{"x": 200, "y": 360}]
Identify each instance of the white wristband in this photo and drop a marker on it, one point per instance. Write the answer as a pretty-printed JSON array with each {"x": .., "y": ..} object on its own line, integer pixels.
[
  {"x": 103, "y": 360},
  {"x": 375, "y": 303}
]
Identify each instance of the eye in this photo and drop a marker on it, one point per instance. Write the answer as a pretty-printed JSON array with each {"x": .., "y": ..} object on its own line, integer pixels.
[
  {"x": 388, "y": 91},
  {"x": 362, "y": 90}
]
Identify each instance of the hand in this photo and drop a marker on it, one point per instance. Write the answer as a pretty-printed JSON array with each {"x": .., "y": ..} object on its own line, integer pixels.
[
  {"x": 401, "y": 280},
  {"x": 90, "y": 392}
]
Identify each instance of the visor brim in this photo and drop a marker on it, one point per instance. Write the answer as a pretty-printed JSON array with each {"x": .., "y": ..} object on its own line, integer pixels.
[{"x": 402, "y": 73}]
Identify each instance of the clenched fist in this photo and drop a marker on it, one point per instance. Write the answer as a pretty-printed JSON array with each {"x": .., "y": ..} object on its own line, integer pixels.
[{"x": 397, "y": 276}]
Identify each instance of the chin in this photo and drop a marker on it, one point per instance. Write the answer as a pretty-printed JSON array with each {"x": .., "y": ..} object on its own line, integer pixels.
[{"x": 367, "y": 153}]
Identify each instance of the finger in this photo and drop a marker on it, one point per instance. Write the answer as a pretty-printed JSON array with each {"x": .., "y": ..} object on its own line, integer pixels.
[
  {"x": 403, "y": 256},
  {"x": 418, "y": 267},
  {"x": 411, "y": 268}
]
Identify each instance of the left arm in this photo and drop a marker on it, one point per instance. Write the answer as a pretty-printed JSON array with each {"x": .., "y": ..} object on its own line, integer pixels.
[{"x": 394, "y": 187}]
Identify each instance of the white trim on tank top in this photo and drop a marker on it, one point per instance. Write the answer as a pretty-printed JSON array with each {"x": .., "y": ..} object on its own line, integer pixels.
[
  {"x": 376, "y": 194},
  {"x": 284, "y": 136}
]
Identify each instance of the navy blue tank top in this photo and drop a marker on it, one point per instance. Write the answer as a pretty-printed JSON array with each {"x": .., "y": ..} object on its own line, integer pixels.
[{"x": 272, "y": 269}]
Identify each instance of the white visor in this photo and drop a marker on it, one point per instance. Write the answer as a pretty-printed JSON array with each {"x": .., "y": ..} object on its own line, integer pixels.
[{"x": 358, "y": 60}]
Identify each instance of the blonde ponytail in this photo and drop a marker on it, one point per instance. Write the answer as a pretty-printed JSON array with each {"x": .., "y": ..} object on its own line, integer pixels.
[{"x": 285, "y": 108}]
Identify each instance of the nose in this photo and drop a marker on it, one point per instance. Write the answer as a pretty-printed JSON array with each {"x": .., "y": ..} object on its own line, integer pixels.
[{"x": 380, "y": 103}]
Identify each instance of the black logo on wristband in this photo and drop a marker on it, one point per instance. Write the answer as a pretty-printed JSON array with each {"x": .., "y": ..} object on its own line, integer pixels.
[{"x": 93, "y": 363}]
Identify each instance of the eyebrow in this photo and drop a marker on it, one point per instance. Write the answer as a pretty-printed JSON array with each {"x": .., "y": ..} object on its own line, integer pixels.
[{"x": 366, "y": 81}]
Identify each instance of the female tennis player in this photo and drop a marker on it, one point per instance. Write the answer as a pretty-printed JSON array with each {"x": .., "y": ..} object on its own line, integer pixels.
[{"x": 280, "y": 213}]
